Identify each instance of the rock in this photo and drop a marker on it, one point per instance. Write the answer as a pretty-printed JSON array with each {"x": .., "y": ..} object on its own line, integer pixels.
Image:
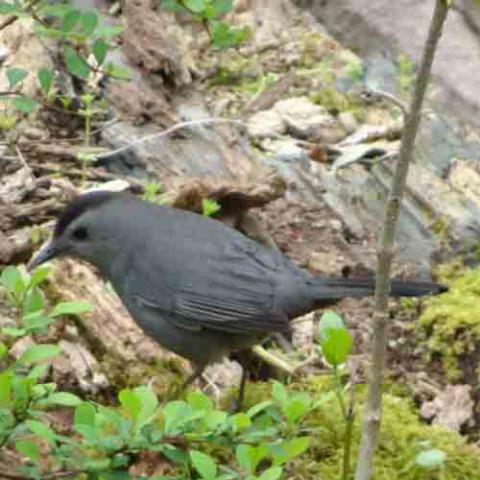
[
  {"x": 452, "y": 408},
  {"x": 223, "y": 375},
  {"x": 266, "y": 124},
  {"x": 464, "y": 176},
  {"x": 303, "y": 332},
  {"x": 26, "y": 49},
  {"x": 78, "y": 362},
  {"x": 16, "y": 185},
  {"x": 326, "y": 264},
  {"x": 299, "y": 117},
  {"x": 383, "y": 28},
  {"x": 4, "y": 53},
  {"x": 306, "y": 120},
  {"x": 348, "y": 121}
]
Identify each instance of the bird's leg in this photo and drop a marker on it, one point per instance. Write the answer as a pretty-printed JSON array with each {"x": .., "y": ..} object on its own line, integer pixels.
[
  {"x": 238, "y": 402},
  {"x": 197, "y": 372},
  {"x": 178, "y": 390}
]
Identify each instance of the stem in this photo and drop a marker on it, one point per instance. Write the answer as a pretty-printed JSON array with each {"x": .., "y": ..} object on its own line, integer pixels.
[
  {"x": 347, "y": 449},
  {"x": 88, "y": 123},
  {"x": 338, "y": 392},
  {"x": 372, "y": 413}
]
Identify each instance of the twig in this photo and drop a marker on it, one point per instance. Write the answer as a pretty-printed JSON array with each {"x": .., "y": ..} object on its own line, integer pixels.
[
  {"x": 372, "y": 413},
  {"x": 370, "y": 93},
  {"x": 168, "y": 131},
  {"x": 272, "y": 359}
]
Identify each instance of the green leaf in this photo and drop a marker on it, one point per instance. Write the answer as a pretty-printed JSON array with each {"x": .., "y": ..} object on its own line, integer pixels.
[
  {"x": 431, "y": 459},
  {"x": 337, "y": 347},
  {"x": 248, "y": 456},
  {"x": 70, "y": 19},
  {"x": 39, "y": 353},
  {"x": 329, "y": 321},
  {"x": 195, "y": 6},
  {"x": 12, "y": 280},
  {"x": 37, "y": 371},
  {"x": 204, "y": 464},
  {"x": 14, "y": 331},
  {"x": 99, "y": 49},
  {"x": 279, "y": 393},
  {"x": 45, "y": 79},
  {"x": 3, "y": 349},
  {"x": 89, "y": 21},
  {"x": 273, "y": 473},
  {"x": 70, "y": 308},
  {"x": 209, "y": 207},
  {"x": 296, "y": 407},
  {"x": 28, "y": 449},
  {"x": 36, "y": 320},
  {"x": 215, "y": 419},
  {"x": 199, "y": 401},
  {"x": 76, "y": 64},
  {"x": 222, "y": 7},
  {"x": 130, "y": 403},
  {"x": 149, "y": 404},
  {"x": 85, "y": 414},
  {"x": 334, "y": 338},
  {"x": 259, "y": 407},
  {"x": 173, "y": 6},
  {"x": 24, "y": 104},
  {"x": 176, "y": 414},
  {"x": 240, "y": 421},
  {"x": 288, "y": 449},
  {"x": 66, "y": 399},
  {"x": 224, "y": 36},
  {"x": 39, "y": 275},
  {"x": 41, "y": 430},
  {"x": 5, "y": 389},
  {"x": 15, "y": 76},
  {"x": 8, "y": 8},
  {"x": 116, "y": 71},
  {"x": 33, "y": 303},
  {"x": 109, "y": 31}
]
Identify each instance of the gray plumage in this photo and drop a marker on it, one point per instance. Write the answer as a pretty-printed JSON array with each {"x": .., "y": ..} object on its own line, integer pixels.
[{"x": 198, "y": 287}]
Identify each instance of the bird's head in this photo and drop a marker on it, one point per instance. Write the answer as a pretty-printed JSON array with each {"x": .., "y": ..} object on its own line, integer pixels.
[{"x": 81, "y": 230}]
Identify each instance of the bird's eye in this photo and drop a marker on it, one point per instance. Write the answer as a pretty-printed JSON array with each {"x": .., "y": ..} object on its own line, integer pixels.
[{"x": 80, "y": 233}]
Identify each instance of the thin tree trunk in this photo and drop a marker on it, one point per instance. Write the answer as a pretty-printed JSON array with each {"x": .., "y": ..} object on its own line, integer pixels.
[{"x": 372, "y": 413}]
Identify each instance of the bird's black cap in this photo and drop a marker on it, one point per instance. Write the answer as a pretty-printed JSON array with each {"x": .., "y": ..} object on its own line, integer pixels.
[{"x": 81, "y": 204}]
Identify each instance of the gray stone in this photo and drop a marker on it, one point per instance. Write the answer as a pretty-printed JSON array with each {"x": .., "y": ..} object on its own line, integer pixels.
[
  {"x": 302, "y": 118},
  {"x": 266, "y": 124},
  {"x": 383, "y": 29}
]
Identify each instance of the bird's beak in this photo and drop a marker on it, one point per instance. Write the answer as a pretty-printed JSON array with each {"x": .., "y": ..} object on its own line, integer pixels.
[{"x": 47, "y": 252}]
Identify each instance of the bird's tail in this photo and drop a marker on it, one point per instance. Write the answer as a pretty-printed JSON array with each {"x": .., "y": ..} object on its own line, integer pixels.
[{"x": 331, "y": 290}]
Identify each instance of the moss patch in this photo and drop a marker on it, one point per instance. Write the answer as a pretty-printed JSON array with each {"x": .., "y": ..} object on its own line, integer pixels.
[
  {"x": 450, "y": 324},
  {"x": 402, "y": 437}
]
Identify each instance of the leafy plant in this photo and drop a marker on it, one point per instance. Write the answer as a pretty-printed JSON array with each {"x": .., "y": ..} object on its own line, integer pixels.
[
  {"x": 210, "y": 207},
  {"x": 209, "y": 12},
  {"x": 103, "y": 442},
  {"x": 335, "y": 344},
  {"x": 152, "y": 191},
  {"x": 84, "y": 44}
]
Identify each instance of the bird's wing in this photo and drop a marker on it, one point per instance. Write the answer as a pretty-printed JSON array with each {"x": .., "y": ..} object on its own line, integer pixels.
[{"x": 229, "y": 292}]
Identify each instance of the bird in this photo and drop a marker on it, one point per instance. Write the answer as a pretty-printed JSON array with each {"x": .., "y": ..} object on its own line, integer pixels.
[{"x": 198, "y": 287}]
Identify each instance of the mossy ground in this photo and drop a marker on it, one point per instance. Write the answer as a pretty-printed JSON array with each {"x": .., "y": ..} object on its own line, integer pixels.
[
  {"x": 402, "y": 437},
  {"x": 450, "y": 323}
]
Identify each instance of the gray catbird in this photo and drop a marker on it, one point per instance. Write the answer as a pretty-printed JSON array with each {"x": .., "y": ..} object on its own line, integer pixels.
[{"x": 198, "y": 287}]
